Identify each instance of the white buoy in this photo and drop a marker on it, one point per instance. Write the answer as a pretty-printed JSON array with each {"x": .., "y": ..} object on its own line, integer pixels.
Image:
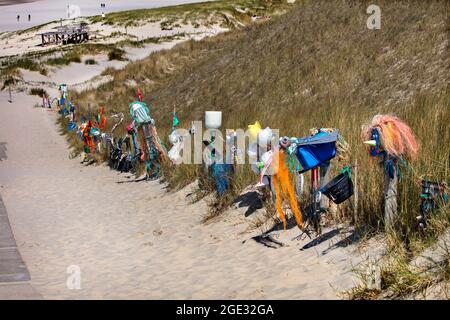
[{"x": 213, "y": 119}]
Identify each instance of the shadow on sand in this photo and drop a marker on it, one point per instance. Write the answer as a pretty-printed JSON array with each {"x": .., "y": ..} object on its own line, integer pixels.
[
  {"x": 252, "y": 200},
  {"x": 132, "y": 181}
]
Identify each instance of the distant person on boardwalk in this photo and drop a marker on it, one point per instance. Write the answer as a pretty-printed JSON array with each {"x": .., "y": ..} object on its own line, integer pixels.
[
  {"x": 18, "y": 18},
  {"x": 29, "y": 17}
]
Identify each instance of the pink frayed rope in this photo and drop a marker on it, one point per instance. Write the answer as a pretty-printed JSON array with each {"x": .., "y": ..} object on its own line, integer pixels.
[{"x": 396, "y": 136}]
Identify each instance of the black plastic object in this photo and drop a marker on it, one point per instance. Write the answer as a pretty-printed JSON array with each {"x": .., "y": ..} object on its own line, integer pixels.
[{"x": 339, "y": 189}]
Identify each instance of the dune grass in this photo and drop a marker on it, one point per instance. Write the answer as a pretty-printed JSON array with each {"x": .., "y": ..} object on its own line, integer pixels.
[
  {"x": 67, "y": 58},
  {"x": 10, "y": 66},
  {"x": 398, "y": 277},
  {"x": 155, "y": 40},
  {"x": 90, "y": 61},
  {"x": 223, "y": 12},
  {"x": 37, "y": 61},
  {"x": 209, "y": 11},
  {"x": 116, "y": 54},
  {"x": 318, "y": 66},
  {"x": 293, "y": 78},
  {"x": 38, "y": 92}
]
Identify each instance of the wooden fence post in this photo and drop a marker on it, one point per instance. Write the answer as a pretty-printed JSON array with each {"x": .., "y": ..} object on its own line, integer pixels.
[
  {"x": 390, "y": 196},
  {"x": 324, "y": 179}
]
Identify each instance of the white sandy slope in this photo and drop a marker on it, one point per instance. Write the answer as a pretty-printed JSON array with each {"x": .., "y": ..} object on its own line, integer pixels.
[
  {"x": 14, "y": 43},
  {"x": 43, "y": 11},
  {"x": 79, "y": 76},
  {"x": 135, "y": 239}
]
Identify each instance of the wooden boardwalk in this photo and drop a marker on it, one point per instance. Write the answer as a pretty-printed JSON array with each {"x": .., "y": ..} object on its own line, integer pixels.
[
  {"x": 73, "y": 33},
  {"x": 14, "y": 275}
]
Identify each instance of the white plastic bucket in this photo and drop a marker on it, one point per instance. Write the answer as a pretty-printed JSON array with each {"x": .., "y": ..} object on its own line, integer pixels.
[{"x": 213, "y": 119}]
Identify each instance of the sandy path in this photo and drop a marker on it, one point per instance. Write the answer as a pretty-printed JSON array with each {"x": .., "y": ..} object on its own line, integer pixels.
[{"x": 135, "y": 240}]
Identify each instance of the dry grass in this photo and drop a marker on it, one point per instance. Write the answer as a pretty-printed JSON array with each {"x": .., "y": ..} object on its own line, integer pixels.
[
  {"x": 38, "y": 92},
  {"x": 67, "y": 58},
  {"x": 318, "y": 66},
  {"x": 10, "y": 67},
  {"x": 399, "y": 278},
  {"x": 116, "y": 54},
  {"x": 314, "y": 67},
  {"x": 229, "y": 13},
  {"x": 57, "y": 56}
]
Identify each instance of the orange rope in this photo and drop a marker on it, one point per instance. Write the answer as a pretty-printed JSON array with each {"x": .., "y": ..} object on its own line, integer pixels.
[
  {"x": 284, "y": 189},
  {"x": 278, "y": 201}
]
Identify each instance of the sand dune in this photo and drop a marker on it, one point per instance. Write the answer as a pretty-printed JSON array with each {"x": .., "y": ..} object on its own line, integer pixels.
[
  {"x": 13, "y": 43},
  {"x": 134, "y": 239},
  {"x": 43, "y": 11},
  {"x": 80, "y": 76}
]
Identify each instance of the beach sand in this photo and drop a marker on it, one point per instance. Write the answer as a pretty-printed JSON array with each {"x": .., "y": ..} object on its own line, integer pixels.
[
  {"x": 14, "y": 43},
  {"x": 43, "y": 11},
  {"x": 135, "y": 239},
  {"x": 14, "y": 2}
]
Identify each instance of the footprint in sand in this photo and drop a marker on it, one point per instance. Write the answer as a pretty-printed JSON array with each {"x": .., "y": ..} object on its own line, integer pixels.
[
  {"x": 3, "y": 151},
  {"x": 258, "y": 293}
]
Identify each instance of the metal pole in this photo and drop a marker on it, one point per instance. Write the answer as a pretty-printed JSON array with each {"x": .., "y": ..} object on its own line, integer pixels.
[
  {"x": 315, "y": 201},
  {"x": 324, "y": 179}
]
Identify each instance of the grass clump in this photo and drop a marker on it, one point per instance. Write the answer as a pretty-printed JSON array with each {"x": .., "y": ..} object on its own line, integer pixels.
[
  {"x": 26, "y": 63},
  {"x": 116, "y": 54},
  {"x": 11, "y": 66},
  {"x": 67, "y": 58},
  {"x": 399, "y": 274},
  {"x": 38, "y": 92},
  {"x": 398, "y": 280},
  {"x": 90, "y": 61},
  {"x": 154, "y": 40}
]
